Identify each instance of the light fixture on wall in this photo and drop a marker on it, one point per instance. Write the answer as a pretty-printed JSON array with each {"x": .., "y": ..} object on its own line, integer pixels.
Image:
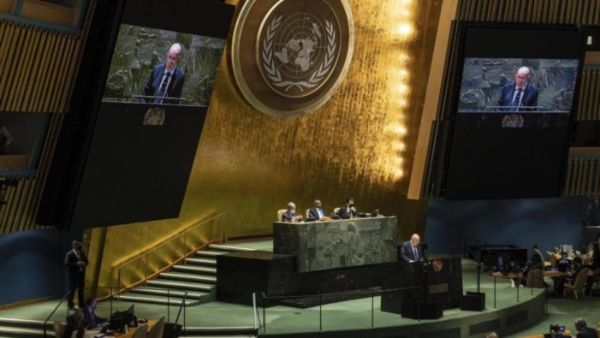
[{"x": 402, "y": 31}]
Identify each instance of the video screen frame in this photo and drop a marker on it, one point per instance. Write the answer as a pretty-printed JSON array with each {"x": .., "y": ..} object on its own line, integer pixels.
[
  {"x": 159, "y": 66},
  {"x": 540, "y": 123}
]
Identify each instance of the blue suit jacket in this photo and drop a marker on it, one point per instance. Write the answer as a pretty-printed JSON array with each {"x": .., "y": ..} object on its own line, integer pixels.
[
  {"x": 530, "y": 97},
  {"x": 407, "y": 254},
  {"x": 175, "y": 86}
]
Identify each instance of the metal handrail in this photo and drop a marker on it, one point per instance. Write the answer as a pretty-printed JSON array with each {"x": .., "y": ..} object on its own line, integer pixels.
[
  {"x": 181, "y": 234},
  {"x": 182, "y": 305},
  {"x": 262, "y": 323},
  {"x": 255, "y": 314},
  {"x": 53, "y": 311}
]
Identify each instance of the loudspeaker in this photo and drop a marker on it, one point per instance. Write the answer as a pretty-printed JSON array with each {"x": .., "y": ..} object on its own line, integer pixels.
[
  {"x": 422, "y": 310},
  {"x": 473, "y": 301}
]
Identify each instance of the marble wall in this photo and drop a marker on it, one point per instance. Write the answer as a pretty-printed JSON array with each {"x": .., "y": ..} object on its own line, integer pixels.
[{"x": 338, "y": 243}]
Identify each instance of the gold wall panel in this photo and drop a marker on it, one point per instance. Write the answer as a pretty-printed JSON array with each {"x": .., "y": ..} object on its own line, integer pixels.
[
  {"x": 37, "y": 69},
  {"x": 589, "y": 95},
  {"x": 360, "y": 143},
  {"x": 583, "y": 171}
]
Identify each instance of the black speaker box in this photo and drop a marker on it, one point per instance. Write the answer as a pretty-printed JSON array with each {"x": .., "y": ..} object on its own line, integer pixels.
[
  {"x": 473, "y": 301},
  {"x": 422, "y": 310}
]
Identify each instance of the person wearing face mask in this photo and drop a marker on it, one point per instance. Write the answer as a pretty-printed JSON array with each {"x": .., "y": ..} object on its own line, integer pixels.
[
  {"x": 348, "y": 210},
  {"x": 290, "y": 214}
]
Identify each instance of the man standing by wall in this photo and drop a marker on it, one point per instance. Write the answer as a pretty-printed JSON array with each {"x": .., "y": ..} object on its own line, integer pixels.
[{"x": 76, "y": 261}]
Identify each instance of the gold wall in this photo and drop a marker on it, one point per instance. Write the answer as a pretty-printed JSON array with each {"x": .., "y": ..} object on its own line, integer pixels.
[{"x": 359, "y": 144}]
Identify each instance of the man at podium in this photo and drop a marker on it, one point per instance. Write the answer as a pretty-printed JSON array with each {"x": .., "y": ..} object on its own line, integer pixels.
[{"x": 412, "y": 251}]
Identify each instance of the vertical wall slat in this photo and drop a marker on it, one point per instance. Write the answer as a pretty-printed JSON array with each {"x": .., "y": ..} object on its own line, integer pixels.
[{"x": 37, "y": 70}]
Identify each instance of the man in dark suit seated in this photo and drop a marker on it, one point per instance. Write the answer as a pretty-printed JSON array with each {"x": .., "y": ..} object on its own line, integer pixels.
[
  {"x": 584, "y": 331},
  {"x": 411, "y": 251},
  {"x": 316, "y": 212},
  {"x": 166, "y": 79},
  {"x": 347, "y": 210},
  {"x": 290, "y": 214}
]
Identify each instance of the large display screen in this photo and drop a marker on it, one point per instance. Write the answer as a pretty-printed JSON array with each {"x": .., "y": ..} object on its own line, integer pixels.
[
  {"x": 524, "y": 85},
  {"x": 157, "y": 87},
  {"x": 511, "y": 112},
  {"x": 157, "y": 66}
]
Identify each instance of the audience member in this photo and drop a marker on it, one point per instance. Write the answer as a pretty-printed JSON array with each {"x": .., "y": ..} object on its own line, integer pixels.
[
  {"x": 556, "y": 331},
  {"x": 583, "y": 330},
  {"x": 491, "y": 335},
  {"x": 90, "y": 315},
  {"x": 76, "y": 324}
]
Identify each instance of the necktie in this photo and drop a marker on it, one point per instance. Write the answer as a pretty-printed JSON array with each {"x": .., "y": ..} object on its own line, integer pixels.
[
  {"x": 517, "y": 101},
  {"x": 162, "y": 91},
  {"x": 415, "y": 253}
]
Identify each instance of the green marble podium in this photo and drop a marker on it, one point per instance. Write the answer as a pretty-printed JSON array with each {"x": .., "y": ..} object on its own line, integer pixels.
[{"x": 337, "y": 243}]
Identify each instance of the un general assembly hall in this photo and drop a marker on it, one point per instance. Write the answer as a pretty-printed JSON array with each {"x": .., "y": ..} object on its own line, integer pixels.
[{"x": 300, "y": 168}]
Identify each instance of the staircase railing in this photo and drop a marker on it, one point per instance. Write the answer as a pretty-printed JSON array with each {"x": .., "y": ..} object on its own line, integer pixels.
[
  {"x": 151, "y": 262},
  {"x": 181, "y": 306},
  {"x": 255, "y": 314},
  {"x": 111, "y": 292},
  {"x": 53, "y": 311}
]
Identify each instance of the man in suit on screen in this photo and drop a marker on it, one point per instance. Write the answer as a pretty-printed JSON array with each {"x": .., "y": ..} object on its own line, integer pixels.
[
  {"x": 166, "y": 80},
  {"x": 412, "y": 251},
  {"x": 519, "y": 95}
]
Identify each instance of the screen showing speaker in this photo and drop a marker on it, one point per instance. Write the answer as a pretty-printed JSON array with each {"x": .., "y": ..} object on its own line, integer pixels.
[
  {"x": 151, "y": 65},
  {"x": 520, "y": 85},
  {"x": 512, "y": 105},
  {"x": 157, "y": 88}
]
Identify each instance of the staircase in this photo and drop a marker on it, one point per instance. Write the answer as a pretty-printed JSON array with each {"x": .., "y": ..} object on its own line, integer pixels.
[
  {"x": 197, "y": 275},
  {"x": 12, "y": 328},
  {"x": 220, "y": 332}
]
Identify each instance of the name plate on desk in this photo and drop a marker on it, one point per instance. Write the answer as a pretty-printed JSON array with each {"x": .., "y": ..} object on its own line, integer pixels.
[{"x": 337, "y": 243}]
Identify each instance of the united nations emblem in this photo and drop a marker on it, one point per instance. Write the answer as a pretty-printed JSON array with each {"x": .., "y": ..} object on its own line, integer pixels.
[{"x": 289, "y": 56}]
